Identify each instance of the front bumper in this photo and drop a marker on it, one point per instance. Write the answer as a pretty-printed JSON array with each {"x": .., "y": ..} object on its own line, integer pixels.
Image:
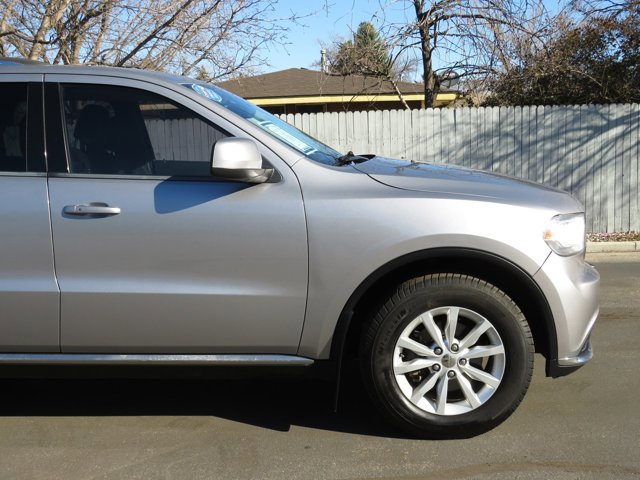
[
  {"x": 571, "y": 287},
  {"x": 565, "y": 366}
]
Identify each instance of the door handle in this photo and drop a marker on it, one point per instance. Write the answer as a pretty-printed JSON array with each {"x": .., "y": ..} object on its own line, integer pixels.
[{"x": 94, "y": 208}]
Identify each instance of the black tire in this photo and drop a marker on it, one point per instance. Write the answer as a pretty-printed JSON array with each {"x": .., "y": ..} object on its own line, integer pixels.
[{"x": 474, "y": 299}]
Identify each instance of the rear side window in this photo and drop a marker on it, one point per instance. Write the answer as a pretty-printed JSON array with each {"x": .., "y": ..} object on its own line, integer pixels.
[
  {"x": 125, "y": 131},
  {"x": 13, "y": 127}
]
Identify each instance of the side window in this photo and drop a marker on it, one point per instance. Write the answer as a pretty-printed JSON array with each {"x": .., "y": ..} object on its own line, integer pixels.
[
  {"x": 126, "y": 131},
  {"x": 13, "y": 127}
]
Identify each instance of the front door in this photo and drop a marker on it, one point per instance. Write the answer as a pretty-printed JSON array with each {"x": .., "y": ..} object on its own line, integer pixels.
[{"x": 153, "y": 255}]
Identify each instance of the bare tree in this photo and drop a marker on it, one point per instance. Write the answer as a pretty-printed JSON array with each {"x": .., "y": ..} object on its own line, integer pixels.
[
  {"x": 463, "y": 38},
  {"x": 612, "y": 9},
  {"x": 213, "y": 38},
  {"x": 592, "y": 57}
]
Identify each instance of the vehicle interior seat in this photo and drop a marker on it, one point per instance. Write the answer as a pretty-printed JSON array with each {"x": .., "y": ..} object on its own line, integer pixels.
[{"x": 92, "y": 133}]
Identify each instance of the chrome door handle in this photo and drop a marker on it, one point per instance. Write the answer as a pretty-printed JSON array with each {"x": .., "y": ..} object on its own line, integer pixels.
[{"x": 94, "y": 208}]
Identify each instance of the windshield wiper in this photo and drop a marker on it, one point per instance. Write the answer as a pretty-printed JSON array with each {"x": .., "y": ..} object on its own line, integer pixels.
[{"x": 350, "y": 157}]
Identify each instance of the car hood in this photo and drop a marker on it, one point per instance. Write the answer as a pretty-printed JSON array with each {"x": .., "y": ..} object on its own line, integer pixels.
[{"x": 451, "y": 180}]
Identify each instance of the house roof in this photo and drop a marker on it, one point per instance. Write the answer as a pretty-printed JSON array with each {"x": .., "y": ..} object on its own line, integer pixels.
[{"x": 300, "y": 82}]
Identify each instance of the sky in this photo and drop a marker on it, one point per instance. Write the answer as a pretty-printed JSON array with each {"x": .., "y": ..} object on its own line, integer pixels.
[
  {"x": 326, "y": 25},
  {"x": 321, "y": 25}
]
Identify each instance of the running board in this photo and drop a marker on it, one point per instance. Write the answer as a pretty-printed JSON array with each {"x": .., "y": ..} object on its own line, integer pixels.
[{"x": 171, "y": 359}]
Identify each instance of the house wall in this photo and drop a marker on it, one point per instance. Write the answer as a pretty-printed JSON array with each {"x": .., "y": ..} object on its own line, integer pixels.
[
  {"x": 591, "y": 151},
  {"x": 336, "y": 107}
]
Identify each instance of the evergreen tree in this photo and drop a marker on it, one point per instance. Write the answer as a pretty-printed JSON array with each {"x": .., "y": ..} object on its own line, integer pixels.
[{"x": 366, "y": 54}]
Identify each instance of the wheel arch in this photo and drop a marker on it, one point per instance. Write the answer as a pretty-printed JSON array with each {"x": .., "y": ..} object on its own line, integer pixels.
[{"x": 502, "y": 273}]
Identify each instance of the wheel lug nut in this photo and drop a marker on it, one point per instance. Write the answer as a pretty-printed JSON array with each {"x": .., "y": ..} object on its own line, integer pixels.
[
  {"x": 455, "y": 347},
  {"x": 451, "y": 374},
  {"x": 438, "y": 351},
  {"x": 436, "y": 368},
  {"x": 463, "y": 361}
]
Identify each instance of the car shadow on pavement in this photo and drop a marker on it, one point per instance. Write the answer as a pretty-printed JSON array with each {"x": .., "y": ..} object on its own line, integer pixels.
[{"x": 272, "y": 403}]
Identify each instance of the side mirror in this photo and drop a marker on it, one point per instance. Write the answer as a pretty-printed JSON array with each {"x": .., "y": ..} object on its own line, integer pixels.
[{"x": 239, "y": 160}]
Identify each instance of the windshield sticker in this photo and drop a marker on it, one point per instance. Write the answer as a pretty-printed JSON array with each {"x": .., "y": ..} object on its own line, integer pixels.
[
  {"x": 207, "y": 93},
  {"x": 287, "y": 137}
]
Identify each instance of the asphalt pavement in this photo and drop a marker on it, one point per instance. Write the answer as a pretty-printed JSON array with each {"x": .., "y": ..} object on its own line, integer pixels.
[{"x": 584, "y": 426}]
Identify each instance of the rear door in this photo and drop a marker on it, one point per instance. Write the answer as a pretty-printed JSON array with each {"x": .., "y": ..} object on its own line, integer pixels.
[
  {"x": 171, "y": 260},
  {"x": 29, "y": 297}
]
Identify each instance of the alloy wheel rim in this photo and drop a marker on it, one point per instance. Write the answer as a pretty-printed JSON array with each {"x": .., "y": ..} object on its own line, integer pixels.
[{"x": 449, "y": 361}]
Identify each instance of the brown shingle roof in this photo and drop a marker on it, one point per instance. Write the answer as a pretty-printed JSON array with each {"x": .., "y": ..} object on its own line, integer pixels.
[{"x": 300, "y": 82}]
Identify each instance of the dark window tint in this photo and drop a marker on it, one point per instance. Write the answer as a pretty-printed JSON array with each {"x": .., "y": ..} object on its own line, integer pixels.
[
  {"x": 118, "y": 130},
  {"x": 13, "y": 127}
]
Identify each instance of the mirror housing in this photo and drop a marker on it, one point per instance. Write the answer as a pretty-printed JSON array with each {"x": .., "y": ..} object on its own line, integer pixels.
[{"x": 238, "y": 160}]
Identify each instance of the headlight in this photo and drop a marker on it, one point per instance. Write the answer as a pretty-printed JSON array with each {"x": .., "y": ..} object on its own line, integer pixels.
[{"x": 565, "y": 234}]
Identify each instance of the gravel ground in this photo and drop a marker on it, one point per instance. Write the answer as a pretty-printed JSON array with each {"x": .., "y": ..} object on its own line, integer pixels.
[{"x": 614, "y": 237}]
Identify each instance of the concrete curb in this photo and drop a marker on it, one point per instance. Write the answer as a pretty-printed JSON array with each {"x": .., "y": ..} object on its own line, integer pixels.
[{"x": 612, "y": 247}]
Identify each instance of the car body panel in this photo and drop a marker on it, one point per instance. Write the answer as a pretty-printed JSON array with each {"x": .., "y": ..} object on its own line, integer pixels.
[
  {"x": 466, "y": 182},
  {"x": 571, "y": 287},
  {"x": 28, "y": 291},
  {"x": 385, "y": 223},
  {"x": 185, "y": 267}
]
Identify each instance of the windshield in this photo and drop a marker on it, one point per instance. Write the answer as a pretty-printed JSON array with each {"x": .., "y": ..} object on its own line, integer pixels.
[{"x": 300, "y": 141}]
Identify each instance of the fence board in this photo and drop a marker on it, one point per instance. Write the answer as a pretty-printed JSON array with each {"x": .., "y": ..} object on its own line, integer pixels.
[
  {"x": 634, "y": 180},
  {"x": 625, "y": 160},
  {"x": 611, "y": 161},
  {"x": 394, "y": 136},
  {"x": 529, "y": 154}
]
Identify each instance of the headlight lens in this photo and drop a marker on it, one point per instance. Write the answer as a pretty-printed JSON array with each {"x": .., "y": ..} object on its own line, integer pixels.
[{"x": 566, "y": 234}]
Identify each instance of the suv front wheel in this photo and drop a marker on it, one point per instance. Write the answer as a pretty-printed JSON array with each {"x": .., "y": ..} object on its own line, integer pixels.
[{"x": 447, "y": 356}]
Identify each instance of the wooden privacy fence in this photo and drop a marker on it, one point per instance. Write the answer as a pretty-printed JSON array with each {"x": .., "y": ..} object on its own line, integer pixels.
[{"x": 591, "y": 151}]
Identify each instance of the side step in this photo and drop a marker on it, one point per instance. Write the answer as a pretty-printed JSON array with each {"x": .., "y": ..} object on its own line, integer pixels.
[{"x": 170, "y": 359}]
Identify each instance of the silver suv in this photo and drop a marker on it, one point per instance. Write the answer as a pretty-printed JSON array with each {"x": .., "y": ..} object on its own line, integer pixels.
[{"x": 153, "y": 219}]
